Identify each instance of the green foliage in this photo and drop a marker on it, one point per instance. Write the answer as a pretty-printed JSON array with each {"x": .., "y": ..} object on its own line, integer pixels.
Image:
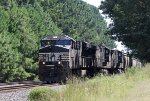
[
  {"x": 130, "y": 24},
  {"x": 42, "y": 94},
  {"x": 24, "y": 22},
  {"x": 21, "y": 28},
  {"x": 79, "y": 20}
]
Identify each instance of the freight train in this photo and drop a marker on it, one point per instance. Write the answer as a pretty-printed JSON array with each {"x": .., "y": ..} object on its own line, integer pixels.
[{"x": 60, "y": 57}]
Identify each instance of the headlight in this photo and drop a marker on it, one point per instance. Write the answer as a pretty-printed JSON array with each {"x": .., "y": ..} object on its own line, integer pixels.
[
  {"x": 59, "y": 62},
  {"x": 43, "y": 62}
]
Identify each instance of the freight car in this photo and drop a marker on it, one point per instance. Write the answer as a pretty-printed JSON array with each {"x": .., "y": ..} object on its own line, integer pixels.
[{"x": 60, "y": 57}]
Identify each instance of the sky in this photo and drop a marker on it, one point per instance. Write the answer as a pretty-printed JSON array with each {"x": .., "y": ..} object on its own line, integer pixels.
[
  {"x": 93, "y": 2},
  {"x": 97, "y": 4}
]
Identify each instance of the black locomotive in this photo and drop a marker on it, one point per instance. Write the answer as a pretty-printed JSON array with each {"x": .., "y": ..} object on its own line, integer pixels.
[{"x": 60, "y": 56}]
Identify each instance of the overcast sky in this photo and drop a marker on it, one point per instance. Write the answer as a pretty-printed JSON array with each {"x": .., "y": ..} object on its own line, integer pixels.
[{"x": 93, "y": 2}]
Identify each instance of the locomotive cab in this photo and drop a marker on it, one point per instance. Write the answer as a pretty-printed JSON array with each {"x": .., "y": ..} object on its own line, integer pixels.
[
  {"x": 105, "y": 57},
  {"x": 117, "y": 59},
  {"x": 54, "y": 56},
  {"x": 86, "y": 53}
]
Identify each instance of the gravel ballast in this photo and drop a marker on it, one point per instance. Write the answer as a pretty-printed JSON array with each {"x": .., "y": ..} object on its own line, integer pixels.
[{"x": 21, "y": 94}]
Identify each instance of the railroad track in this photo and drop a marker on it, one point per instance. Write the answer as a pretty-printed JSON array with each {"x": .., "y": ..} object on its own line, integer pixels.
[{"x": 18, "y": 86}]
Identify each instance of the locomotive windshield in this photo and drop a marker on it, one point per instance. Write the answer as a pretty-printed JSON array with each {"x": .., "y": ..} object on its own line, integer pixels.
[{"x": 55, "y": 42}]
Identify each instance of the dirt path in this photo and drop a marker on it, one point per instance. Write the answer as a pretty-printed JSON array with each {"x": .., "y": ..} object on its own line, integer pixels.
[{"x": 141, "y": 92}]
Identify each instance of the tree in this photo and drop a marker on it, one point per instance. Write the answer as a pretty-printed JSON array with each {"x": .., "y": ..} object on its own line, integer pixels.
[
  {"x": 130, "y": 25},
  {"x": 79, "y": 20},
  {"x": 22, "y": 25},
  {"x": 24, "y": 22}
]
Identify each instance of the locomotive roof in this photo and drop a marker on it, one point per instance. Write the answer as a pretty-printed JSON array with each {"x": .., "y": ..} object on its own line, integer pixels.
[
  {"x": 57, "y": 37},
  {"x": 104, "y": 46},
  {"x": 116, "y": 50},
  {"x": 88, "y": 44}
]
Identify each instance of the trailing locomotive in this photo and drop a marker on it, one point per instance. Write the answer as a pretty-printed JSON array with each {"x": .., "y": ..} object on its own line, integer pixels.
[{"x": 60, "y": 56}]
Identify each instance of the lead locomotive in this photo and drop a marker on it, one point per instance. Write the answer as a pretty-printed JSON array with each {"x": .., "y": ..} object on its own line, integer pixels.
[{"x": 60, "y": 56}]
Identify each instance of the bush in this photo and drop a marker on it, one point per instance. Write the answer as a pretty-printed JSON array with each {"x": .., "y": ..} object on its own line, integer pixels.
[{"x": 41, "y": 94}]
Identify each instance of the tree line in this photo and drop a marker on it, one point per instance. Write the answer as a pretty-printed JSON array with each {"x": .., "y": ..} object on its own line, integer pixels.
[
  {"x": 131, "y": 24},
  {"x": 24, "y": 22}
]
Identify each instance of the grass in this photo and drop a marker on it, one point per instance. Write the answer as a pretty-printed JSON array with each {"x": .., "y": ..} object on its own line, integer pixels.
[
  {"x": 103, "y": 88},
  {"x": 41, "y": 94}
]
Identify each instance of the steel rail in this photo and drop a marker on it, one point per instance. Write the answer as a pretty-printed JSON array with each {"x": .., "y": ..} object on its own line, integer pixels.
[{"x": 15, "y": 87}]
